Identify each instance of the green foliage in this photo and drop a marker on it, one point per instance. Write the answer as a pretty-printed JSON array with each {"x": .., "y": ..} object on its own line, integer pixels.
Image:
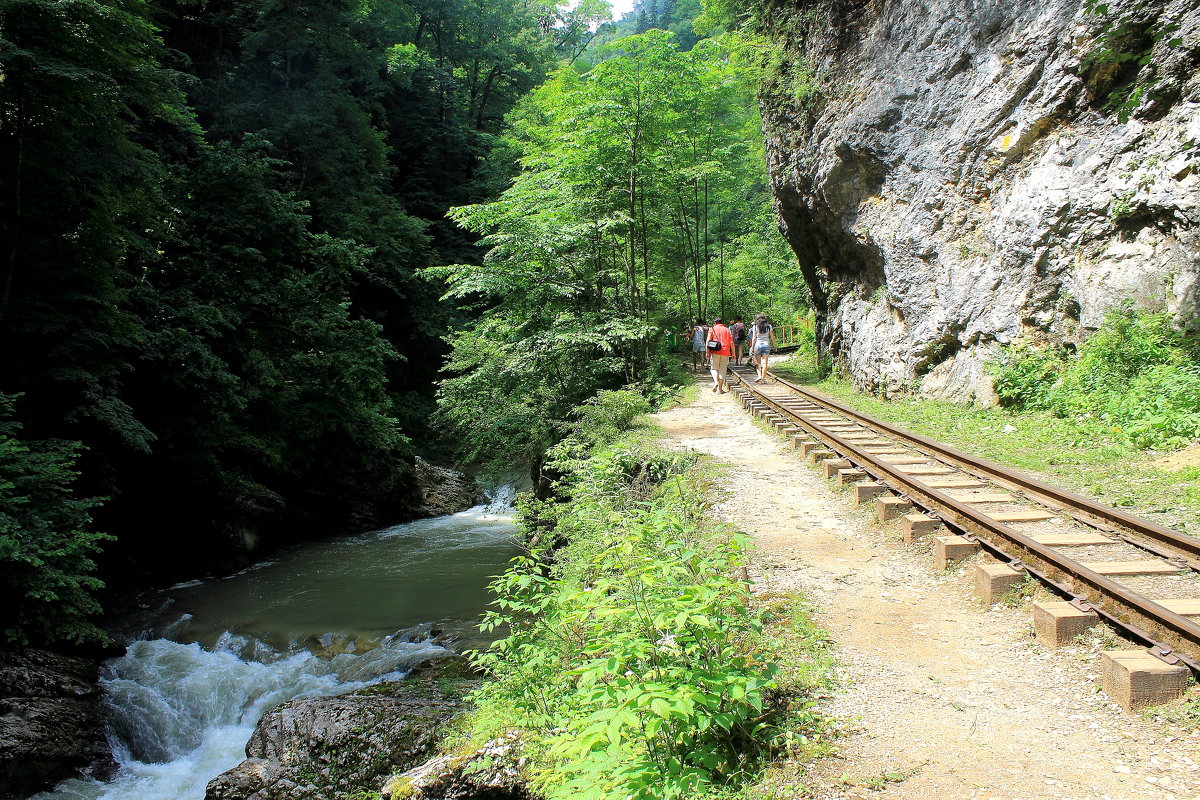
[
  {"x": 677, "y": 17},
  {"x": 731, "y": 15},
  {"x": 1025, "y": 375},
  {"x": 609, "y": 413},
  {"x": 640, "y": 205},
  {"x": 1122, "y": 206},
  {"x": 47, "y": 585},
  {"x": 1161, "y": 407},
  {"x": 762, "y": 273},
  {"x": 263, "y": 370},
  {"x": 81, "y": 199},
  {"x": 214, "y": 215},
  {"x": 1136, "y": 372},
  {"x": 636, "y": 662},
  {"x": 1132, "y": 39}
]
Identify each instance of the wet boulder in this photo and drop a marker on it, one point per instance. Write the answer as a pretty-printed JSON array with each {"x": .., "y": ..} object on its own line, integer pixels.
[
  {"x": 491, "y": 771},
  {"x": 444, "y": 490},
  {"x": 51, "y": 722},
  {"x": 333, "y": 747}
]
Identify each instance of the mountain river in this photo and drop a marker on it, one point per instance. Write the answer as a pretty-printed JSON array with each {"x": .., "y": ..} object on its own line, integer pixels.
[{"x": 208, "y": 658}]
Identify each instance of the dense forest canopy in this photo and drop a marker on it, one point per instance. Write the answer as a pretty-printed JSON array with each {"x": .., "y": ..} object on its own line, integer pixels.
[
  {"x": 213, "y": 218},
  {"x": 640, "y": 206},
  {"x": 224, "y": 222}
]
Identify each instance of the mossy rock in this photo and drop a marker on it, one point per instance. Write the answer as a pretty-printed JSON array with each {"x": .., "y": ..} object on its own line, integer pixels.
[
  {"x": 332, "y": 747},
  {"x": 493, "y": 771}
]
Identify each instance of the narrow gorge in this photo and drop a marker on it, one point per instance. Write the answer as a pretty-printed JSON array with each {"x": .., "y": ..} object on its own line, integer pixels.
[{"x": 283, "y": 285}]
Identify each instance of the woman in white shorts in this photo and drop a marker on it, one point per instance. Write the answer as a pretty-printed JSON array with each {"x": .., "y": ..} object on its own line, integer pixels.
[{"x": 762, "y": 340}]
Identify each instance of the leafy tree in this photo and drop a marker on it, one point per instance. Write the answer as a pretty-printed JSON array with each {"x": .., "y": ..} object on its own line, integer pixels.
[
  {"x": 678, "y": 17},
  {"x": 255, "y": 373},
  {"x": 81, "y": 204},
  {"x": 638, "y": 187},
  {"x": 47, "y": 548}
]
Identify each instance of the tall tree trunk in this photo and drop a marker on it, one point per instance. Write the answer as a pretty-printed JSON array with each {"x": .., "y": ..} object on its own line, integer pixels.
[
  {"x": 12, "y": 219},
  {"x": 486, "y": 95},
  {"x": 721, "y": 261}
]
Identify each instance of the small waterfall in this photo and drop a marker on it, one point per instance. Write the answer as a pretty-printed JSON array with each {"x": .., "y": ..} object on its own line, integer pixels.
[
  {"x": 502, "y": 497},
  {"x": 180, "y": 714}
]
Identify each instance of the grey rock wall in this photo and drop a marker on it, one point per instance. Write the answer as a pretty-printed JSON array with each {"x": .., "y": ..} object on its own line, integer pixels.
[
  {"x": 51, "y": 722},
  {"x": 955, "y": 185}
]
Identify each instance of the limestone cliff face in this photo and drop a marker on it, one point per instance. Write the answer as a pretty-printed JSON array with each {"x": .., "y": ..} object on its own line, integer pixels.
[{"x": 954, "y": 183}]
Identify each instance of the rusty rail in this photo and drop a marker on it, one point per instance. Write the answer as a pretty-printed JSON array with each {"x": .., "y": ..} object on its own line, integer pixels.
[{"x": 1141, "y": 616}]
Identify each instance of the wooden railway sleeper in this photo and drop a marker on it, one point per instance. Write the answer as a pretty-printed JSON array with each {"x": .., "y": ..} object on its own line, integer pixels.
[
  {"x": 958, "y": 514},
  {"x": 1156, "y": 648}
]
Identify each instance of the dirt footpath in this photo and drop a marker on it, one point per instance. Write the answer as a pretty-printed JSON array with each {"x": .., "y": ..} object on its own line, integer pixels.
[{"x": 942, "y": 699}]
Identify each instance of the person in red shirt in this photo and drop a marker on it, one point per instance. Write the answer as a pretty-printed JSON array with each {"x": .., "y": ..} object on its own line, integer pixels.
[{"x": 720, "y": 348}]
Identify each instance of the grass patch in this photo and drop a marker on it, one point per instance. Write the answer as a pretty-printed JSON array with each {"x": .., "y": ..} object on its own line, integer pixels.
[
  {"x": 1185, "y": 714},
  {"x": 803, "y": 733},
  {"x": 1074, "y": 453}
]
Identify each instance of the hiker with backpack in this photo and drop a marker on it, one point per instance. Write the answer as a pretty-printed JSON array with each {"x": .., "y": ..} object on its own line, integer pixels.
[
  {"x": 720, "y": 347},
  {"x": 738, "y": 329}
]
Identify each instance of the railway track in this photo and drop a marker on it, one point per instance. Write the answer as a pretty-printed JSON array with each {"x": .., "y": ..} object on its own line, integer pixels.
[{"x": 1139, "y": 576}]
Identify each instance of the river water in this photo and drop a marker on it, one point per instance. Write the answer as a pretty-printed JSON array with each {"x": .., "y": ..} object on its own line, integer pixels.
[{"x": 209, "y": 658}]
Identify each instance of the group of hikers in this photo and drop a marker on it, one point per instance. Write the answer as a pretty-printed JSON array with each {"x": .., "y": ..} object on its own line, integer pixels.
[{"x": 715, "y": 344}]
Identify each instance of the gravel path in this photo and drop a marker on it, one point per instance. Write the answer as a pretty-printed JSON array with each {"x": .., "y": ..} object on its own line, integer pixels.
[{"x": 942, "y": 699}]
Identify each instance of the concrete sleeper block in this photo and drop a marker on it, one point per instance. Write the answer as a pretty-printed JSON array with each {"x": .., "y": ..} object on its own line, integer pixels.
[
  {"x": 948, "y": 549},
  {"x": 890, "y": 507},
  {"x": 918, "y": 525},
  {"x": 866, "y": 490},
  {"x": 830, "y": 466},
  {"x": 851, "y": 475}
]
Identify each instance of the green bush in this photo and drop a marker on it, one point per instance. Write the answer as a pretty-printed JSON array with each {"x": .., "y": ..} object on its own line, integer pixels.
[
  {"x": 1127, "y": 344},
  {"x": 609, "y": 413},
  {"x": 1161, "y": 407},
  {"x": 46, "y": 549},
  {"x": 1025, "y": 376},
  {"x": 1138, "y": 373},
  {"x": 634, "y": 662}
]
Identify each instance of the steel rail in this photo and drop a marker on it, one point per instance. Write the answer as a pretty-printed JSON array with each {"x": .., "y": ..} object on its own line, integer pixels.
[
  {"x": 962, "y": 516},
  {"x": 1002, "y": 474}
]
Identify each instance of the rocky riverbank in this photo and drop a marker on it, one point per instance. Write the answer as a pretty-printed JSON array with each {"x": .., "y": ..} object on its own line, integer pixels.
[
  {"x": 52, "y": 712},
  {"x": 51, "y": 721},
  {"x": 330, "y": 747}
]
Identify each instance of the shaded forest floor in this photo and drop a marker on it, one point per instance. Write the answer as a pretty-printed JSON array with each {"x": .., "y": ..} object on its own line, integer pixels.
[{"x": 937, "y": 698}]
